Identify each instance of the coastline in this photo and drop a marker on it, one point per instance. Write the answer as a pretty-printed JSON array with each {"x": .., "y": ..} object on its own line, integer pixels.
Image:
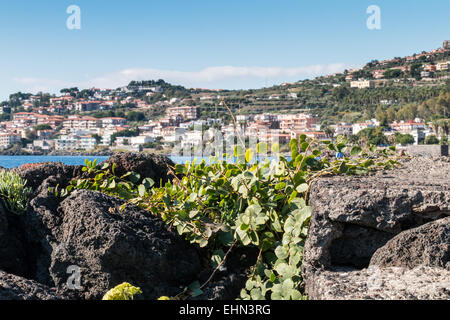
[{"x": 55, "y": 153}]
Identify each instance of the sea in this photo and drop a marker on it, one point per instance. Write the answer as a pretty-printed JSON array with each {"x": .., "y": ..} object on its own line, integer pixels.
[{"x": 16, "y": 161}]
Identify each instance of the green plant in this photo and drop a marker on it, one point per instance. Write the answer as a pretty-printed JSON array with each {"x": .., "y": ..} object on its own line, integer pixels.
[
  {"x": 261, "y": 204},
  {"x": 129, "y": 187},
  {"x": 443, "y": 141},
  {"x": 14, "y": 192},
  {"x": 239, "y": 202},
  {"x": 431, "y": 139},
  {"x": 124, "y": 291}
]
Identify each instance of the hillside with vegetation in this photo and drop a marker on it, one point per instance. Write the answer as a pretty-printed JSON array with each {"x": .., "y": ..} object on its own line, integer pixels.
[{"x": 399, "y": 95}]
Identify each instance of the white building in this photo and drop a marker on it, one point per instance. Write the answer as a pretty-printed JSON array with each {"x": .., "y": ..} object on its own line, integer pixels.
[
  {"x": 343, "y": 128},
  {"x": 113, "y": 121},
  {"x": 140, "y": 140},
  {"x": 8, "y": 139},
  {"x": 362, "y": 84},
  {"x": 357, "y": 127},
  {"x": 442, "y": 66},
  {"x": 75, "y": 142},
  {"x": 66, "y": 142}
]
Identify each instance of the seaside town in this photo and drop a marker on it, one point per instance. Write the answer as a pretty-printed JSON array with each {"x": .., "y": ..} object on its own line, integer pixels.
[
  {"x": 155, "y": 115},
  {"x": 182, "y": 152}
]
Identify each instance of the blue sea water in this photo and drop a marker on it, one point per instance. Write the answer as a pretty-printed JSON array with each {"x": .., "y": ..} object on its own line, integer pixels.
[{"x": 17, "y": 161}]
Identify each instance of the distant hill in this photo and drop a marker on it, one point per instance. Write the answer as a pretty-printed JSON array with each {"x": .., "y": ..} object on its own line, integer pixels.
[{"x": 400, "y": 89}]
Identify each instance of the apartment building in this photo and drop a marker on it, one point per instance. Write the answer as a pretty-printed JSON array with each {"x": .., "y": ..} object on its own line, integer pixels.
[
  {"x": 84, "y": 106},
  {"x": 430, "y": 68},
  {"x": 378, "y": 74},
  {"x": 86, "y": 142},
  {"x": 75, "y": 142},
  {"x": 274, "y": 135},
  {"x": 8, "y": 139},
  {"x": 426, "y": 74},
  {"x": 343, "y": 128},
  {"x": 408, "y": 126},
  {"x": 82, "y": 123},
  {"x": 300, "y": 121},
  {"x": 446, "y": 44},
  {"x": 317, "y": 135},
  {"x": 442, "y": 66},
  {"x": 53, "y": 121},
  {"x": 113, "y": 121},
  {"x": 25, "y": 115},
  {"x": 187, "y": 112},
  {"x": 362, "y": 84},
  {"x": 357, "y": 127}
]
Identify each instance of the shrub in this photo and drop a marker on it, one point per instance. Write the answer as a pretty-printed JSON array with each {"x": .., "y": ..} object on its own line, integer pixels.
[
  {"x": 244, "y": 203},
  {"x": 431, "y": 139},
  {"x": 14, "y": 192},
  {"x": 404, "y": 139}
]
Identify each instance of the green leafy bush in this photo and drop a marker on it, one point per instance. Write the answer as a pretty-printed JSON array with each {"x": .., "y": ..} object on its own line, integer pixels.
[
  {"x": 431, "y": 139},
  {"x": 124, "y": 291},
  {"x": 103, "y": 179},
  {"x": 13, "y": 192},
  {"x": 261, "y": 204},
  {"x": 245, "y": 203}
]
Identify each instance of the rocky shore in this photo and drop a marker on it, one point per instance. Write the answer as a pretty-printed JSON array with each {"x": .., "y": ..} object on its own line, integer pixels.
[
  {"x": 383, "y": 236},
  {"x": 22, "y": 152},
  {"x": 87, "y": 230}
]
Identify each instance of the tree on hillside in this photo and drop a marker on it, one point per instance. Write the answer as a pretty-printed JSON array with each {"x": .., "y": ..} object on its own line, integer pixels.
[
  {"x": 41, "y": 127},
  {"x": 431, "y": 139},
  {"x": 414, "y": 71},
  {"x": 373, "y": 136},
  {"x": 404, "y": 139},
  {"x": 136, "y": 116},
  {"x": 392, "y": 74},
  {"x": 97, "y": 138}
]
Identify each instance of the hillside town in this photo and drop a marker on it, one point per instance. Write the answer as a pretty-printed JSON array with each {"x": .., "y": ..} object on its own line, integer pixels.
[
  {"x": 180, "y": 125},
  {"x": 113, "y": 119}
]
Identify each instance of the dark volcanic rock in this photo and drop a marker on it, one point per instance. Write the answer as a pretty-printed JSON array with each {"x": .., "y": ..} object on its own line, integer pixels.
[
  {"x": 427, "y": 245},
  {"x": 391, "y": 283},
  {"x": 35, "y": 174},
  {"x": 110, "y": 247},
  {"x": 355, "y": 216},
  {"x": 17, "y": 288},
  {"x": 12, "y": 250},
  {"x": 147, "y": 165},
  {"x": 38, "y": 224}
]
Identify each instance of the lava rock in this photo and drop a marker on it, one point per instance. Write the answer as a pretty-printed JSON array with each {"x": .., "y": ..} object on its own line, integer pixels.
[
  {"x": 354, "y": 216},
  {"x": 110, "y": 246},
  {"x": 391, "y": 283},
  {"x": 13, "y": 256},
  {"x": 427, "y": 245},
  {"x": 35, "y": 174},
  {"x": 16, "y": 288},
  {"x": 147, "y": 165}
]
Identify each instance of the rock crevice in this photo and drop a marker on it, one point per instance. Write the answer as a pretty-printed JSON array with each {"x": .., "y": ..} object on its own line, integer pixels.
[{"x": 392, "y": 224}]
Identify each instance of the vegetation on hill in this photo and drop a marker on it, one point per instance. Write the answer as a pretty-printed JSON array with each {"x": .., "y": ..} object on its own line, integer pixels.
[{"x": 400, "y": 96}]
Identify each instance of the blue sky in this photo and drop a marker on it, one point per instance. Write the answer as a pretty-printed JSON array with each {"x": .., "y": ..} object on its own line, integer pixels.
[{"x": 204, "y": 43}]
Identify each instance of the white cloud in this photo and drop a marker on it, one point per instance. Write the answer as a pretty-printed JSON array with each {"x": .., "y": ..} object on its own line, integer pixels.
[
  {"x": 34, "y": 85},
  {"x": 214, "y": 76},
  {"x": 226, "y": 77}
]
